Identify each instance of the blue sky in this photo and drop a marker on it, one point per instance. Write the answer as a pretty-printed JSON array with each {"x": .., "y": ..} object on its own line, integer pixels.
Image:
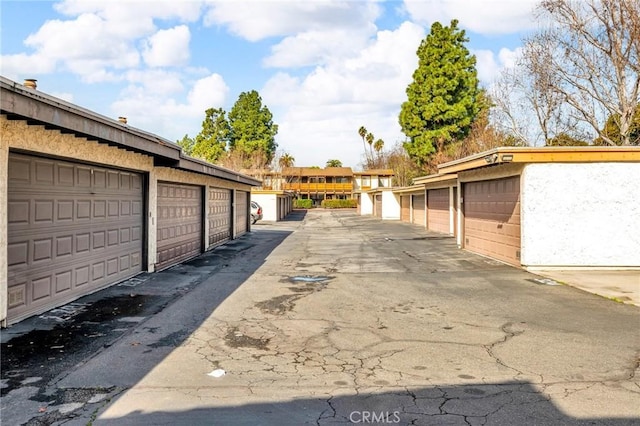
[{"x": 324, "y": 68}]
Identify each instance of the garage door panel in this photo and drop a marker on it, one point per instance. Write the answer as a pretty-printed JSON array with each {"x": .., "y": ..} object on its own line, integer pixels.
[
  {"x": 242, "y": 204},
  {"x": 378, "y": 207},
  {"x": 179, "y": 233},
  {"x": 54, "y": 236},
  {"x": 419, "y": 210},
  {"x": 438, "y": 210},
  {"x": 219, "y": 216},
  {"x": 492, "y": 218},
  {"x": 405, "y": 208}
]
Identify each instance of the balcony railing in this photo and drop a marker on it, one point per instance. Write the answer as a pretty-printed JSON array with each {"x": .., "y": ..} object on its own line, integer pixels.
[{"x": 318, "y": 187}]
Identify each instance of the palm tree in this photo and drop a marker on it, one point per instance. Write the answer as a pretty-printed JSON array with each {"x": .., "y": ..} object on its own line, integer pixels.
[
  {"x": 286, "y": 160},
  {"x": 378, "y": 145},
  {"x": 370, "y": 139},
  {"x": 363, "y": 132},
  {"x": 334, "y": 163}
]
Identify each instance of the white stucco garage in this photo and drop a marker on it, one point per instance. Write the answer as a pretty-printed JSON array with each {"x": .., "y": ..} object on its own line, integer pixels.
[
  {"x": 585, "y": 214},
  {"x": 276, "y": 205},
  {"x": 549, "y": 207}
]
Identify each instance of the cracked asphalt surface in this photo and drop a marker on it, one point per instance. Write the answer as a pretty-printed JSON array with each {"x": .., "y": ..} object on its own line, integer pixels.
[{"x": 332, "y": 318}]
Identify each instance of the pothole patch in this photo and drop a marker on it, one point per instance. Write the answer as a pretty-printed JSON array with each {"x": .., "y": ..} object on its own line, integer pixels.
[{"x": 237, "y": 339}]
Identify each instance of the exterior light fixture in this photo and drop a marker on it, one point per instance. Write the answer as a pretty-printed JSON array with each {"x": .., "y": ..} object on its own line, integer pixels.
[{"x": 507, "y": 157}]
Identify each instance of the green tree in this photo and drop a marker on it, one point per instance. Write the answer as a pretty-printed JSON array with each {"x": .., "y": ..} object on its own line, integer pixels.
[
  {"x": 286, "y": 160},
  {"x": 564, "y": 139},
  {"x": 441, "y": 100},
  {"x": 334, "y": 163},
  {"x": 252, "y": 126},
  {"x": 612, "y": 130},
  {"x": 210, "y": 144},
  {"x": 186, "y": 143}
]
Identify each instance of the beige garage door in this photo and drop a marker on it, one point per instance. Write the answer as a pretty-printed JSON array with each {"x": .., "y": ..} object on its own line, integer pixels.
[
  {"x": 219, "y": 216},
  {"x": 405, "y": 208},
  {"x": 492, "y": 218},
  {"x": 438, "y": 210},
  {"x": 72, "y": 228},
  {"x": 179, "y": 223},
  {"x": 378, "y": 202},
  {"x": 418, "y": 210},
  {"x": 242, "y": 204}
]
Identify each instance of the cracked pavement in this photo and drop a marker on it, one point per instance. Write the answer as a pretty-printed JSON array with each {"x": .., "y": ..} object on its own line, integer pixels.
[{"x": 346, "y": 320}]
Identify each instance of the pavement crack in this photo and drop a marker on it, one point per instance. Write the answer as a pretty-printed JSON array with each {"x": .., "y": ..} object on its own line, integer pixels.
[
  {"x": 329, "y": 413},
  {"x": 509, "y": 333}
]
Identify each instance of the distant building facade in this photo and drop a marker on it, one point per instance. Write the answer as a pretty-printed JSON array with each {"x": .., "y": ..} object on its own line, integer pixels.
[{"x": 325, "y": 184}]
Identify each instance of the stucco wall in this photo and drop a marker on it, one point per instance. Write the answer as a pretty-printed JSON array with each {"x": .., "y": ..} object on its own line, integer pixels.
[
  {"x": 269, "y": 204},
  {"x": 390, "y": 205},
  {"x": 366, "y": 204},
  {"x": 581, "y": 215}
]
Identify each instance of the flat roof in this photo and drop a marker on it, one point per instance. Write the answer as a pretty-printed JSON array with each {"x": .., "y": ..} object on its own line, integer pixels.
[
  {"x": 440, "y": 177},
  {"x": 409, "y": 189},
  {"x": 18, "y": 102},
  {"x": 311, "y": 171},
  {"x": 375, "y": 172},
  {"x": 547, "y": 154}
]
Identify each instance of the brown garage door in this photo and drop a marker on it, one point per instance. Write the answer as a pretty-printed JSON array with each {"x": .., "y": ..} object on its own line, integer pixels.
[
  {"x": 179, "y": 223},
  {"x": 492, "y": 218},
  {"x": 405, "y": 208},
  {"x": 219, "y": 216},
  {"x": 242, "y": 203},
  {"x": 378, "y": 201},
  {"x": 438, "y": 210},
  {"x": 418, "y": 210},
  {"x": 72, "y": 229}
]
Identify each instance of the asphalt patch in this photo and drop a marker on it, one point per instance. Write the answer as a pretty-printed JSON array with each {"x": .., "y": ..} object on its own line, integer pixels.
[{"x": 236, "y": 339}]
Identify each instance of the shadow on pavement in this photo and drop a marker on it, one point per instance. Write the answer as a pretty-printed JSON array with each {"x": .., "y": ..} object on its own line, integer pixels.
[
  {"x": 41, "y": 348},
  {"x": 511, "y": 403},
  {"x": 296, "y": 215}
]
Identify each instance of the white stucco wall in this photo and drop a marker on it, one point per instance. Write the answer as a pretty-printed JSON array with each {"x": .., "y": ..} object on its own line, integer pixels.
[
  {"x": 581, "y": 215},
  {"x": 366, "y": 204},
  {"x": 269, "y": 204},
  {"x": 390, "y": 206}
]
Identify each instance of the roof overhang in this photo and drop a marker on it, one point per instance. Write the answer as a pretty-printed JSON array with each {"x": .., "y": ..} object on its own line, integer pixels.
[
  {"x": 414, "y": 189},
  {"x": 548, "y": 154},
  {"x": 443, "y": 178},
  {"x": 18, "y": 102},
  {"x": 272, "y": 192},
  {"x": 199, "y": 166}
]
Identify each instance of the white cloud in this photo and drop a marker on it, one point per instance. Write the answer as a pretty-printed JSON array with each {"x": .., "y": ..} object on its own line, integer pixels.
[
  {"x": 320, "y": 113},
  {"x": 168, "y": 48},
  {"x": 489, "y": 65},
  {"x": 480, "y": 16},
  {"x": 101, "y": 38},
  {"x": 148, "y": 109},
  {"x": 317, "y": 47},
  {"x": 156, "y": 81},
  {"x": 22, "y": 65},
  {"x": 257, "y": 20},
  {"x": 208, "y": 92}
]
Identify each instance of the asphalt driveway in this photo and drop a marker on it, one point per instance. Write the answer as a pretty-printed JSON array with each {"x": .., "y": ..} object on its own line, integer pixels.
[{"x": 341, "y": 319}]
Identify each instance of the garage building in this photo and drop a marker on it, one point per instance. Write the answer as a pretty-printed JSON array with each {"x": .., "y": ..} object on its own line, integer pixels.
[
  {"x": 550, "y": 207},
  {"x": 87, "y": 201}
]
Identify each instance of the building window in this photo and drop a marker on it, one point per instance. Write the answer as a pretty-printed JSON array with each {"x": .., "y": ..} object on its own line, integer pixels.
[{"x": 366, "y": 181}]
